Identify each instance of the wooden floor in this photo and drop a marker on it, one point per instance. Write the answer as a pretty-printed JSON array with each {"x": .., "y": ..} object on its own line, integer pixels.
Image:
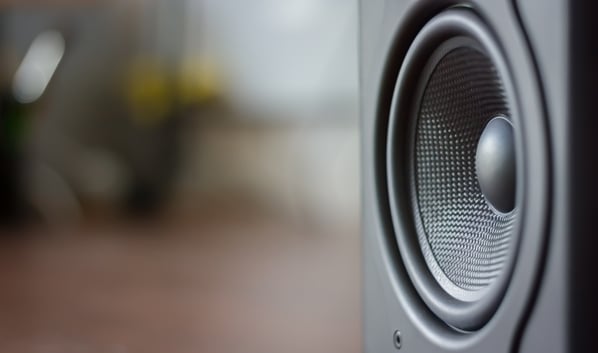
[{"x": 227, "y": 284}]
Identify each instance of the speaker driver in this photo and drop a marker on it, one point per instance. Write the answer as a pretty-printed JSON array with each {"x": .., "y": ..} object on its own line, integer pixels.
[{"x": 453, "y": 193}]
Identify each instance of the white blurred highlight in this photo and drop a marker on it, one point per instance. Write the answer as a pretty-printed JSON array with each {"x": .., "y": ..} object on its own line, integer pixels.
[{"x": 38, "y": 66}]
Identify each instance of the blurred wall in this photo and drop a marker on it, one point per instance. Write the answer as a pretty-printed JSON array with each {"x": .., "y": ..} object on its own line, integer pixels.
[
  {"x": 289, "y": 71},
  {"x": 292, "y": 59}
]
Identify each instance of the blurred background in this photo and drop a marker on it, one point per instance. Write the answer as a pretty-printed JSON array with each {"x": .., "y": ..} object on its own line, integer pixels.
[{"x": 179, "y": 175}]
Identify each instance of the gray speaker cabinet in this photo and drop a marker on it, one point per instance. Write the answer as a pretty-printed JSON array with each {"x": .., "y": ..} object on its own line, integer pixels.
[{"x": 550, "y": 50}]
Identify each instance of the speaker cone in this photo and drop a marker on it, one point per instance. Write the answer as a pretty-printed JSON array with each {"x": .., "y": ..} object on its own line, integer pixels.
[{"x": 454, "y": 201}]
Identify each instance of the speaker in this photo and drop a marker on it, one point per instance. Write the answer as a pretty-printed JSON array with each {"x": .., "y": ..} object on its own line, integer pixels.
[{"x": 479, "y": 175}]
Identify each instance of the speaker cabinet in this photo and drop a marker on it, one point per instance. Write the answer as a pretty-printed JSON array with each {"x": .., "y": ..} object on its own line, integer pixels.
[{"x": 479, "y": 175}]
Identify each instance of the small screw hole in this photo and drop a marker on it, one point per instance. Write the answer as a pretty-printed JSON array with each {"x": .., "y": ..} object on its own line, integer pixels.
[{"x": 397, "y": 339}]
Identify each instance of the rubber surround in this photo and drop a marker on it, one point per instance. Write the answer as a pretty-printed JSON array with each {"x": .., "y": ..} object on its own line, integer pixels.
[{"x": 463, "y": 309}]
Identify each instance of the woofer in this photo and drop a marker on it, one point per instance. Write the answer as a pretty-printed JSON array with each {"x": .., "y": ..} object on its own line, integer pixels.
[{"x": 457, "y": 246}]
